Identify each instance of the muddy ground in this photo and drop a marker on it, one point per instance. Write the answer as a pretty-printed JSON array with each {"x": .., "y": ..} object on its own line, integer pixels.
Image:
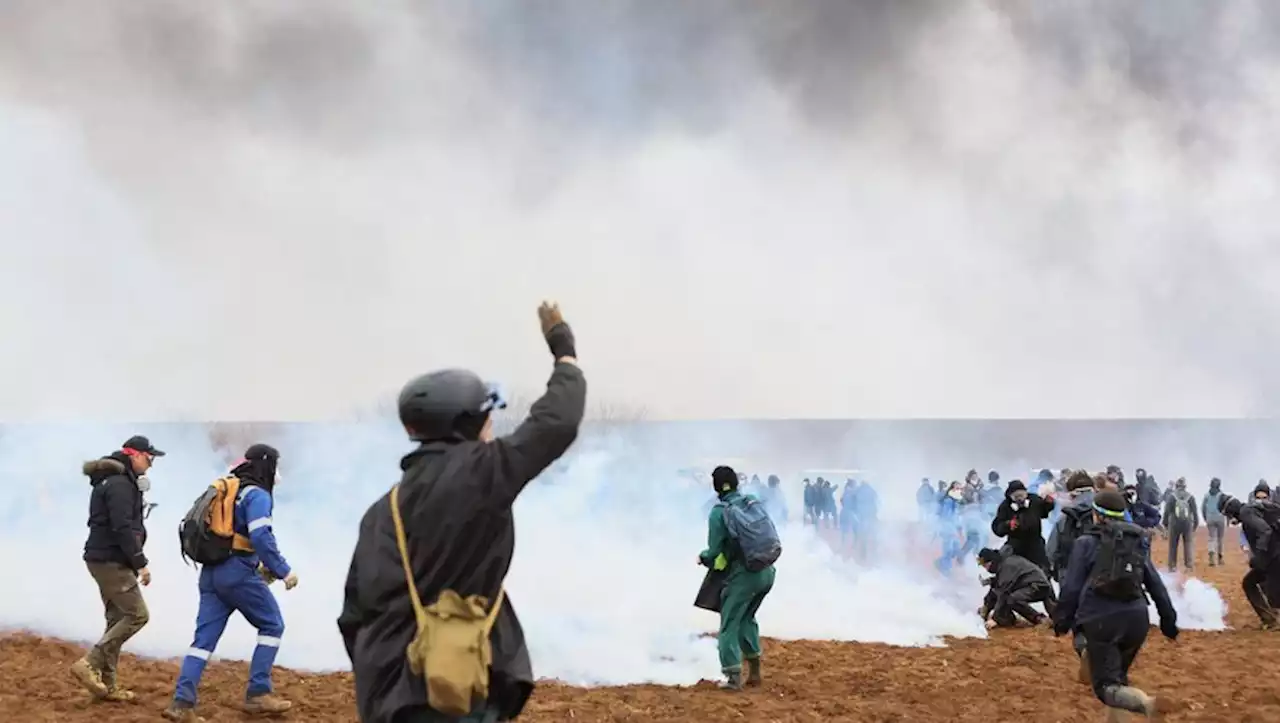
[{"x": 1017, "y": 675}]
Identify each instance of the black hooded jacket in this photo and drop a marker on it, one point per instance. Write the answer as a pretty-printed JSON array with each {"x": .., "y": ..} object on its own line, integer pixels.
[
  {"x": 1025, "y": 538},
  {"x": 1255, "y": 523},
  {"x": 116, "y": 530},
  {"x": 455, "y": 498}
]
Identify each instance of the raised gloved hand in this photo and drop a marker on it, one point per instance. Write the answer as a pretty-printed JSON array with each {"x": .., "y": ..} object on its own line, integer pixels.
[{"x": 557, "y": 332}]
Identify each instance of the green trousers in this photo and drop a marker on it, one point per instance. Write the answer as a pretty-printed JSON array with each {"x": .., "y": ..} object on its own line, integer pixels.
[{"x": 739, "y": 632}]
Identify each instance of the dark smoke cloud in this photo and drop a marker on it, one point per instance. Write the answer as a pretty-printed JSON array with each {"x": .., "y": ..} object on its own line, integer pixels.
[{"x": 882, "y": 208}]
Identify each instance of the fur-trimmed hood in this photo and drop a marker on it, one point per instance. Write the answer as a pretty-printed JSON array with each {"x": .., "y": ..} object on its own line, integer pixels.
[{"x": 113, "y": 464}]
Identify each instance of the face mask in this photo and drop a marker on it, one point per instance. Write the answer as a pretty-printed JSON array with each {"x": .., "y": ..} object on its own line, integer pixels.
[
  {"x": 955, "y": 494},
  {"x": 144, "y": 484}
]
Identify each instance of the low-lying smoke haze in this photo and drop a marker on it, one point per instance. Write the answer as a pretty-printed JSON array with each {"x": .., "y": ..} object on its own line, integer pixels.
[
  {"x": 604, "y": 575},
  {"x": 830, "y": 209}
]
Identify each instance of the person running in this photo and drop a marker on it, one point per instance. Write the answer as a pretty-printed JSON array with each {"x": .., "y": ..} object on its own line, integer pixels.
[{"x": 1105, "y": 592}]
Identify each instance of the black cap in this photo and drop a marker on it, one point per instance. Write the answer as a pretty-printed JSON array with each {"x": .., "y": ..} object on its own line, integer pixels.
[
  {"x": 139, "y": 443},
  {"x": 261, "y": 451},
  {"x": 1014, "y": 486},
  {"x": 988, "y": 555}
]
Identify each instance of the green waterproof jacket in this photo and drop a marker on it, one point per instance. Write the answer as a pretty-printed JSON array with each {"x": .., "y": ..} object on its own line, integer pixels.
[{"x": 722, "y": 550}]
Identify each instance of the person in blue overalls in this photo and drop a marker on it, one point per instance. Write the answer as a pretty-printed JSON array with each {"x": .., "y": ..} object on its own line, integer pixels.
[{"x": 240, "y": 584}]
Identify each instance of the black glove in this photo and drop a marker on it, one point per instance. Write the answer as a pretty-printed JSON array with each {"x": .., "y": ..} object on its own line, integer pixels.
[
  {"x": 1170, "y": 629},
  {"x": 1060, "y": 629},
  {"x": 560, "y": 341},
  {"x": 1257, "y": 562}
]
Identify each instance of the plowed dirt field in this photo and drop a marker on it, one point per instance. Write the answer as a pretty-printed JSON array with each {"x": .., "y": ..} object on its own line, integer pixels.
[{"x": 1018, "y": 675}]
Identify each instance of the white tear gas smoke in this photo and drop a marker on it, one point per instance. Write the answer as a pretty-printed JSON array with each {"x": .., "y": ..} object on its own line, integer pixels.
[
  {"x": 268, "y": 211},
  {"x": 604, "y": 573}
]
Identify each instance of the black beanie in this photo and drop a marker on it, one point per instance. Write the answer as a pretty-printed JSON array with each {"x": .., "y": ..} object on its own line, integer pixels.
[
  {"x": 1262, "y": 487},
  {"x": 1229, "y": 506},
  {"x": 1014, "y": 486},
  {"x": 259, "y": 466},
  {"x": 988, "y": 555},
  {"x": 724, "y": 479}
]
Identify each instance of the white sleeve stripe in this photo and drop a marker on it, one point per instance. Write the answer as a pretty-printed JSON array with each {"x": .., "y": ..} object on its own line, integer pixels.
[
  {"x": 267, "y": 641},
  {"x": 198, "y": 653},
  {"x": 259, "y": 523}
]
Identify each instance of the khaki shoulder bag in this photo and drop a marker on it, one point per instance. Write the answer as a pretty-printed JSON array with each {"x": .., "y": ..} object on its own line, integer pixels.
[{"x": 452, "y": 649}]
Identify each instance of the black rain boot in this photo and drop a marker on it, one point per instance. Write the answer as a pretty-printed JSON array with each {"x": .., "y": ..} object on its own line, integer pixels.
[
  {"x": 753, "y": 673},
  {"x": 732, "y": 681}
]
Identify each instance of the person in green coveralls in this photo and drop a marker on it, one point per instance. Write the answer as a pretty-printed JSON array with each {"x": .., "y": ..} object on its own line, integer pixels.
[{"x": 744, "y": 591}]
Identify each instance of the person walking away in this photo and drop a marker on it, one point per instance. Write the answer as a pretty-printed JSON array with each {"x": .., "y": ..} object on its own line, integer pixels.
[
  {"x": 741, "y": 539},
  {"x": 239, "y": 583},
  {"x": 1182, "y": 519},
  {"x": 1105, "y": 592},
  {"x": 113, "y": 554},
  {"x": 1148, "y": 488},
  {"x": 1142, "y": 514},
  {"x": 951, "y": 528},
  {"x": 1259, "y": 520},
  {"x": 926, "y": 500},
  {"x": 1214, "y": 520},
  {"x": 1018, "y": 520},
  {"x": 1017, "y": 583},
  {"x": 810, "y": 502},
  {"x": 868, "y": 522},
  {"x": 848, "y": 516},
  {"x": 774, "y": 500},
  {"x": 445, "y": 536}
]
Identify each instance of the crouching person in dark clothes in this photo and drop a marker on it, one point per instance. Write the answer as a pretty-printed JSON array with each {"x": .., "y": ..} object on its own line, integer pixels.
[
  {"x": 741, "y": 538},
  {"x": 1104, "y": 592},
  {"x": 444, "y": 537},
  {"x": 1258, "y": 521},
  {"x": 1018, "y": 582}
]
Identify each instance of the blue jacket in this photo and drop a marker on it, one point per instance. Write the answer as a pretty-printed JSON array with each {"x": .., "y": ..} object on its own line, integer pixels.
[
  {"x": 1144, "y": 515},
  {"x": 253, "y": 520},
  {"x": 1078, "y": 604}
]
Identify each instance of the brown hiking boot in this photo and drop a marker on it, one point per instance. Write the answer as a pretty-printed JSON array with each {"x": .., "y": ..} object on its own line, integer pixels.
[
  {"x": 753, "y": 673},
  {"x": 119, "y": 694},
  {"x": 89, "y": 678},
  {"x": 266, "y": 704},
  {"x": 181, "y": 713}
]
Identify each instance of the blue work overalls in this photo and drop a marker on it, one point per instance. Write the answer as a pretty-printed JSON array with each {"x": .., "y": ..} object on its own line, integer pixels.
[{"x": 235, "y": 586}]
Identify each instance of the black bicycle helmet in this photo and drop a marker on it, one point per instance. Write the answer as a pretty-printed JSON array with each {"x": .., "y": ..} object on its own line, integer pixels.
[{"x": 447, "y": 404}]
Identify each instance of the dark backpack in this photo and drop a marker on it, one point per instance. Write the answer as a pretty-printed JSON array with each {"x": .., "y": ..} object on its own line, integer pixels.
[
  {"x": 1270, "y": 513},
  {"x": 1070, "y": 527},
  {"x": 1120, "y": 567},
  {"x": 206, "y": 534},
  {"x": 749, "y": 525}
]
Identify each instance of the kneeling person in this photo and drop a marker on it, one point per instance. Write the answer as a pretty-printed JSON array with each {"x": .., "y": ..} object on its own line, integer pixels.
[{"x": 1018, "y": 582}]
